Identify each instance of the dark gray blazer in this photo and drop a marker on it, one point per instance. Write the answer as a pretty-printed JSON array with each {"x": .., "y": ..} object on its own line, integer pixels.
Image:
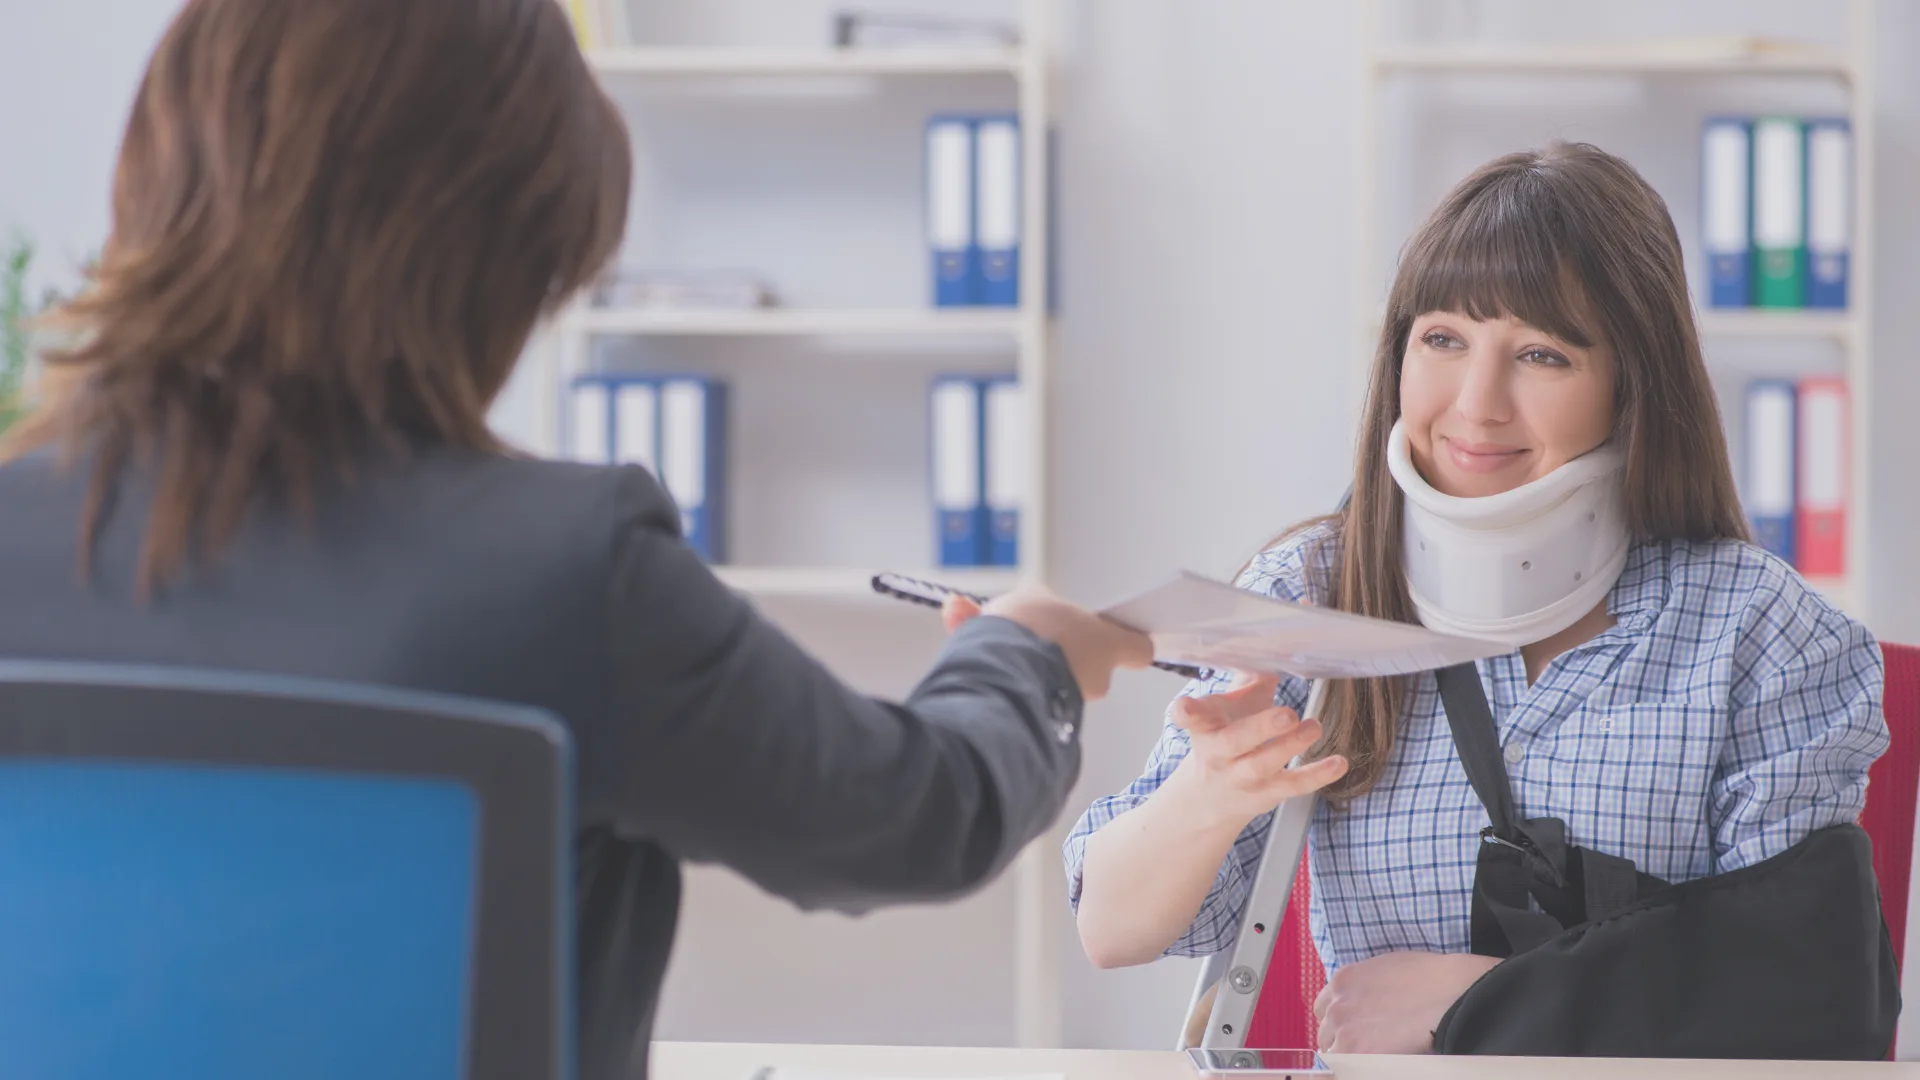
[{"x": 702, "y": 732}]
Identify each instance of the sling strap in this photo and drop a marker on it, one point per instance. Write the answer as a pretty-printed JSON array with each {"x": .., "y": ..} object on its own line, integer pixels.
[{"x": 1530, "y": 858}]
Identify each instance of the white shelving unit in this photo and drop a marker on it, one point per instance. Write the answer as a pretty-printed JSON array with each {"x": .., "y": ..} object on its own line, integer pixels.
[
  {"x": 736, "y": 62},
  {"x": 789, "y": 322},
  {"x": 1034, "y": 999},
  {"x": 1025, "y": 325},
  {"x": 1725, "y": 323},
  {"x": 1850, "y": 68},
  {"x": 1648, "y": 58}
]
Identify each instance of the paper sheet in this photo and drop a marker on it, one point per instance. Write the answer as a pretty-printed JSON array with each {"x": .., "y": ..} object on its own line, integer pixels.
[{"x": 1196, "y": 620}]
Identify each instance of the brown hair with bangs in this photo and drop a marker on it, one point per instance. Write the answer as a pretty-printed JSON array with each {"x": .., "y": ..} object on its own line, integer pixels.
[
  {"x": 1573, "y": 241},
  {"x": 335, "y": 222}
]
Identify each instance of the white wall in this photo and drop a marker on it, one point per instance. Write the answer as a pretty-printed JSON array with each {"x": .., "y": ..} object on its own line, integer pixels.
[
  {"x": 1207, "y": 336},
  {"x": 1896, "y": 494},
  {"x": 67, "y": 76},
  {"x": 1206, "y": 329}
]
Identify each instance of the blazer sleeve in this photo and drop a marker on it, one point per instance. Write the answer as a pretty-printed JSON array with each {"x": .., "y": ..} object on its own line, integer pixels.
[{"x": 729, "y": 743}]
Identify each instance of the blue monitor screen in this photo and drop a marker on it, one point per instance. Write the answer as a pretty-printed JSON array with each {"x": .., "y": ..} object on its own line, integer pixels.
[{"x": 163, "y": 920}]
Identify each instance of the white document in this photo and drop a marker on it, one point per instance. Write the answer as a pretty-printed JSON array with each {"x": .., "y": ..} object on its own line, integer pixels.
[{"x": 1197, "y": 620}]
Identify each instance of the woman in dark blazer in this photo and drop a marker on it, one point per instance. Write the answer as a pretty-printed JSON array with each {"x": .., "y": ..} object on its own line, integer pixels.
[{"x": 335, "y": 225}]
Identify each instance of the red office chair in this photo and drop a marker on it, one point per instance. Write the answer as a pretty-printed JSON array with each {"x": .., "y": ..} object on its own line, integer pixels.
[
  {"x": 1892, "y": 787},
  {"x": 1283, "y": 1015}
]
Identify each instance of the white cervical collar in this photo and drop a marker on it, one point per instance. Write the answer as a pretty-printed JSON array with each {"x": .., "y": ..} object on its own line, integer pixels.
[{"x": 1520, "y": 566}]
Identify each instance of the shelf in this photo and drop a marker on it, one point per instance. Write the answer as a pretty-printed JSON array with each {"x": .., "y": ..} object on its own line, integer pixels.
[
  {"x": 838, "y": 583},
  {"x": 780, "y": 62},
  {"x": 1838, "y": 325},
  {"x": 1731, "y": 57},
  {"x": 764, "y": 322}
]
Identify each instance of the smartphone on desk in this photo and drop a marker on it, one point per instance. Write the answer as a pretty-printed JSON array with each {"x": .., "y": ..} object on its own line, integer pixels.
[{"x": 1297, "y": 1064}]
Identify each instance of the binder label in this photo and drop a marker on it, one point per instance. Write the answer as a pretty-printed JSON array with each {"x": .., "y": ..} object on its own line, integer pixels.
[
  {"x": 950, "y": 199},
  {"x": 588, "y": 437},
  {"x": 1006, "y": 465},
  {"x": 683, "y": 448},
  {"x": 997, "y": 191},
  {"x": 1777, "y": 198},
  {"x": 636, "y": 424},
  {"x": 1823, "y": 433},
  {"x": 1726, "y": 188},
  {"x": 1770, "y": 439},
  {"x": 956, "y": 467},
  {"x": 1829, "y": 211}
]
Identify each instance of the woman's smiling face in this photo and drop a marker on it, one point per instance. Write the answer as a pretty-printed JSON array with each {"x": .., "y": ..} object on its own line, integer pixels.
[{"x": 1491, "y": 404}]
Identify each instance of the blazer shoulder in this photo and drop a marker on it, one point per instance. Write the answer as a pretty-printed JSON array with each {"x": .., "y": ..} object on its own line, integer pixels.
[{"x": 573, "y": 493}]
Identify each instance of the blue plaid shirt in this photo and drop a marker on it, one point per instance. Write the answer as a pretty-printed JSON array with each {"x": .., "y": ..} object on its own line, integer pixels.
[{"x": 1729, "y": 712}]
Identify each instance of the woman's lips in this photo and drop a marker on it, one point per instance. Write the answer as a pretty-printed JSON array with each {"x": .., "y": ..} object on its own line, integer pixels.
[{"x": 1481, "y": 457}]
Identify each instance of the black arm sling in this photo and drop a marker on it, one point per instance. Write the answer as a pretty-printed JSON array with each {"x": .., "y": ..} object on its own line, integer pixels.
[{"x": 1787, "y": 958}]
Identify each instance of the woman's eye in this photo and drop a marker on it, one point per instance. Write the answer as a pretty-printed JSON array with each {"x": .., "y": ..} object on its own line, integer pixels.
[
  {"x": 1438, "y": 339},
  {"x": 1544, "y": 357}
]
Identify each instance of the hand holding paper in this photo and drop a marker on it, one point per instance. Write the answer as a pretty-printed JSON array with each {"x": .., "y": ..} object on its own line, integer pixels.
[{"x": 1093, "y": 646}]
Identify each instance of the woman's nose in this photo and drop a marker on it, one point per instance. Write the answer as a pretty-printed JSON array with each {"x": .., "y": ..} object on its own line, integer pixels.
[{"x": 1485, "y": 395}]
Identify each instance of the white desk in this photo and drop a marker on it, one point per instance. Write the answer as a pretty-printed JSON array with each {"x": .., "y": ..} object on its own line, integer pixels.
[{"x": 738, "y": 1061}]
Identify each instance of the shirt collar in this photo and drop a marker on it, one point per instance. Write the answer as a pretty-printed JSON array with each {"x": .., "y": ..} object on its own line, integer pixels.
[{"x": 1636, "y": 599}]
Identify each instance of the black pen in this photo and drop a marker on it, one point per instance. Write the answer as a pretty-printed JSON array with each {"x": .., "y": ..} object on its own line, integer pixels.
[{"x": 930, "y": 594}]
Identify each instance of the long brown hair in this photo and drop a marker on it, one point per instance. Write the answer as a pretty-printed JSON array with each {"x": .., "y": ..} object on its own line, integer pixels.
[
  {"x": 335, "y": 222},
  {"x": 1573, "y": 241}
]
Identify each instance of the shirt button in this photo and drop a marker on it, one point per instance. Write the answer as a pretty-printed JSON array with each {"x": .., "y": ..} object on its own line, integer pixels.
[
  {"x": 1516, "y": 754},
  {"x": 1062, "y": 704},
  {"x": 1063, "y": 718}
]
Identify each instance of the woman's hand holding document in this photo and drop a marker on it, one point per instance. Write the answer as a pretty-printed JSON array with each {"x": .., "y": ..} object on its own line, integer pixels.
[
  {"x": 1197, "y": 620},
  {"x": 1243, "y": 752}
]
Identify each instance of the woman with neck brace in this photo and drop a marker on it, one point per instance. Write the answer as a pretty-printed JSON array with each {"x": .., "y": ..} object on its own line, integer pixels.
[{"x": 1541, "y": 462}]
